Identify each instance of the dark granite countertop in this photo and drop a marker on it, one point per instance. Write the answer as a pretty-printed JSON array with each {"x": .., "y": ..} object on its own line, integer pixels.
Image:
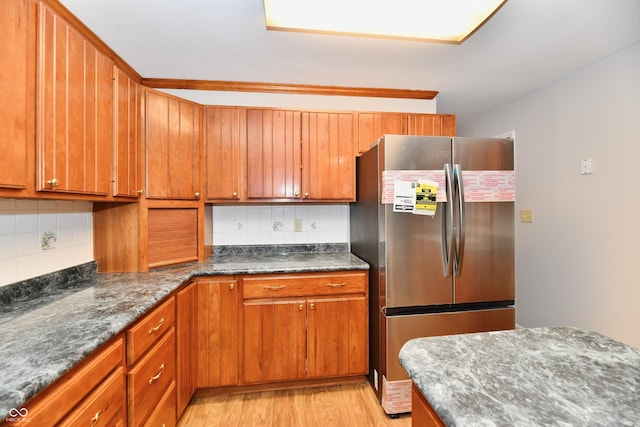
[
  {"x": 46, "y": 330},
  {"x": 555, "y": 376}
]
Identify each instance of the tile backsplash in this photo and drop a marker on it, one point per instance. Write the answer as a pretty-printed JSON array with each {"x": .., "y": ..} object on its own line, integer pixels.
[
  {"x": 42, "y": 236},
  {"x": 280, "y": 224}
]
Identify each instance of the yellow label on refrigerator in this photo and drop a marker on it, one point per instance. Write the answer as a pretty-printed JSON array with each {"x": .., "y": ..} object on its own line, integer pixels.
[{"x": 426, "y": 198}]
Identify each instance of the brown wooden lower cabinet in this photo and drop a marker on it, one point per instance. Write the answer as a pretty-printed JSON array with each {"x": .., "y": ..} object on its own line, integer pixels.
[
  {"x": 106, "y": 406},
  {"x": 96, "y": 384},
  {"x": 312, "y": 325},
  {"x": 186, "y": 345},
  {"x": 422, "y": 414},
  {"x": 274, "y": 341},
  {"x": 152, "y": 372},
  {"x": 219, "y": 331}
]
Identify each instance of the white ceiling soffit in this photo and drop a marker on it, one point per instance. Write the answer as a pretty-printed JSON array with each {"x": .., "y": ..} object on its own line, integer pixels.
[{"x": 525, "y": 45}]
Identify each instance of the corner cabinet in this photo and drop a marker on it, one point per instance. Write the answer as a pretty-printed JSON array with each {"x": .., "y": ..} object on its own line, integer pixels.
[
  {"x": 74, "y": 118},
  {"x": 173, "y": 134},
  {"x": 304, "y": 326}
]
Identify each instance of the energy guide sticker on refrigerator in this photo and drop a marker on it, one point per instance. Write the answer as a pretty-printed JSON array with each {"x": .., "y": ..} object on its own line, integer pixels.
[{"x": 445, "y": 204}]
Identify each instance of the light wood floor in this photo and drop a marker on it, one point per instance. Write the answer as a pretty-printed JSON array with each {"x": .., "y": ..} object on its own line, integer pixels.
[{"x": 323, "y": 406}]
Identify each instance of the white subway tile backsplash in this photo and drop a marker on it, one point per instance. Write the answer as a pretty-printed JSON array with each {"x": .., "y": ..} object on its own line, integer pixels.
[
  {"x": 7, "y": 222},
  {"x": 8, "y": 246},
  {"x": 274, "y": 224},
  {"x": 9, "y": 270},
  {"x": 42, "y": 236}
]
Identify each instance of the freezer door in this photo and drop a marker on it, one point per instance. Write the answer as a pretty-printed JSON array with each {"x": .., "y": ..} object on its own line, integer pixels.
[
  {"x": 487, "y": 271},
  {"x": 412, "y": 272},
  {"x": 400, "y": 329}
]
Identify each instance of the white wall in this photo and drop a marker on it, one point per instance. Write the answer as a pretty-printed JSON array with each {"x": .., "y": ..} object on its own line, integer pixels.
[
  {"x": 42, "y": 236},
  {"x": 579, "y": 262}
]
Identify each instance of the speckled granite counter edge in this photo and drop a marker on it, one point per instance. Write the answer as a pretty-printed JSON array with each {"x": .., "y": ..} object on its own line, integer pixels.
[{"x": 63, "y": 330}]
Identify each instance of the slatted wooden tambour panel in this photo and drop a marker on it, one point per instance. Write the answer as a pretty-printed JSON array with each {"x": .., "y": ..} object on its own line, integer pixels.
[{"x": 173, "y": 236}]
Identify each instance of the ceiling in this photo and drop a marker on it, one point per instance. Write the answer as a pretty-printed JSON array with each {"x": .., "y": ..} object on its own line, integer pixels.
[{"x": 526, "y": 45}]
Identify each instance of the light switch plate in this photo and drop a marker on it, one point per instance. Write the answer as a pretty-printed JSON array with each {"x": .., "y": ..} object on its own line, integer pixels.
[{"x": 526, "y": 215}]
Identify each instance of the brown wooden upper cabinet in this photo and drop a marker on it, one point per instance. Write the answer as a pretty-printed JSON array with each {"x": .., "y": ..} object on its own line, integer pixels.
[
  {"x": 17, "y": 85},
  {"x": 274, "y": 154},
  {"x": 126, "y": 158},
  {"x": 74, "y": 119},
  {"x": 328, "y": 156},
  {"x": 372, "y": 126},
  {"x": 294, "y": 155},
  {"x": 224, "y": 147},
  {"x": 432, "y": 124},
  {"x": 173, "y": 139}
]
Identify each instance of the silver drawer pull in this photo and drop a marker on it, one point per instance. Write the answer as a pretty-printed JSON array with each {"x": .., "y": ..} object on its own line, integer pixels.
[
  {"x": 274, "y": 288},
  {"x": 157, "y": 376},
  {"x": 158, "y": 326},
  {"x": 336, "y": 285}
]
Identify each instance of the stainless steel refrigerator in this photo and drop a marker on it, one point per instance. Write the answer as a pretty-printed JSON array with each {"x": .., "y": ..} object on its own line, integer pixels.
[{"x": 445, "y": 273}]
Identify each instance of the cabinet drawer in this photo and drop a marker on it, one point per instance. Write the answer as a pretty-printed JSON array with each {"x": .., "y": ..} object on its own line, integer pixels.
[
  {"x": 165, "y": 413},
  {"x": 76, "y": 385},
  {"x": 143, "y": 335},
  {"x": 304, "y": 285},
  {"x": 104, "y": 407},
  {"x": 149, "y": 379}
]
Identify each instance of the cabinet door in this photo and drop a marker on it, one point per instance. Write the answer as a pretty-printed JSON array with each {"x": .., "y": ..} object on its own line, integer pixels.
[
  {"x": 432, "y": 124},
  {"x": 372, "y": 126},
  {"x": 328, "y": 156},
  {"x": 224, "y": 141},
  {"x": 274, "y": 337},
  {"x": 172, "y": 147},
  {"x": 17, "y": 31},
  {"x": 126, "y": 155},
  {"x": 75, "y": 110},
  {"x": 218, "y": 332},
  {"x": 273, "y": 154},
  {"x": 186, "y": 345},
  {"x": 337, "y": 337}
]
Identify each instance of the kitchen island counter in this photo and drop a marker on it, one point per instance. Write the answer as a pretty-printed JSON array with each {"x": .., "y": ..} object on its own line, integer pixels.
[
  {"x": 45, "y": 334},
  {"x": 554, "y": 376}
]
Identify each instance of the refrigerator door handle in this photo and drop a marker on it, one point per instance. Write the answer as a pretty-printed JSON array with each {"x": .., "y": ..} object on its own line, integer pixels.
[
  {"x": 460, "y": 236},
  {"x": 447, "y": 223}
]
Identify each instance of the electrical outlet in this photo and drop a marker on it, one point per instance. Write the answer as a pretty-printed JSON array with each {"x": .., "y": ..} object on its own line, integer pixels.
[
  {"x": 526, "y": 215},
  {"x": 297, "y": 225}
]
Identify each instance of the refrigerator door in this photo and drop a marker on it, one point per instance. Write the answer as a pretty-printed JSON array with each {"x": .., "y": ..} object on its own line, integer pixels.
[
  {"x": 400, "y": 329},
  {"x": 487, "y": 270},
  {"x": 412, "y": 272},
  {"x": 395, "y": 393}
]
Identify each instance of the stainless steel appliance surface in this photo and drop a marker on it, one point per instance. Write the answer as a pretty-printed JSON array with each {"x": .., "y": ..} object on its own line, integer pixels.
[{"x": 446, "y": 273}]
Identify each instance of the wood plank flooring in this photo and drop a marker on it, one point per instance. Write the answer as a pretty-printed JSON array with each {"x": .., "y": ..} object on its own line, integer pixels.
[{"x": 322, "y": 406}]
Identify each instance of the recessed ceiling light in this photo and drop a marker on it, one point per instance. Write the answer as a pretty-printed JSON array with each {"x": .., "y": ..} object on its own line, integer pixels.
[{"x": 450, "y": 21}]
